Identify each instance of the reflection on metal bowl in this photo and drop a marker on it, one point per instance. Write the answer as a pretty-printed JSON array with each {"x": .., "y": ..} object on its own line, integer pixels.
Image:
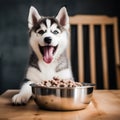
[{"x": 62, "y": 98}]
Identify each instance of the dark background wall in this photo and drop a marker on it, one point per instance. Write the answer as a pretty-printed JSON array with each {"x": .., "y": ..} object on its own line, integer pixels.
[{"x": 14, "y": 46}]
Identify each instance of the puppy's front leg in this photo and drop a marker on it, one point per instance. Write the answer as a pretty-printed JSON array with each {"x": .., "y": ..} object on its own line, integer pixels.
[{"x": 24, "y": 95}]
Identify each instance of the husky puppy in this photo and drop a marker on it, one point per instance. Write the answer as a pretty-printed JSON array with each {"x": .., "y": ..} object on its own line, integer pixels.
[{"x": 48, "y": 41}]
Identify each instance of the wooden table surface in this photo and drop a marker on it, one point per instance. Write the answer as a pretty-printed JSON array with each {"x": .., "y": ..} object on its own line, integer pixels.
[{"x": 105, "y": 105}]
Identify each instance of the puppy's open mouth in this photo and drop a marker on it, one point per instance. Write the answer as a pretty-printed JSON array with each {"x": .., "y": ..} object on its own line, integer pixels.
[{"x": 48, "y": 52}]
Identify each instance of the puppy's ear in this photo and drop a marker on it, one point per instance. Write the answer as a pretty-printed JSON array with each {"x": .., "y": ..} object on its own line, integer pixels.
[
  {"x": 63, "y": 18},
  {"x": 33, "y": 17}
]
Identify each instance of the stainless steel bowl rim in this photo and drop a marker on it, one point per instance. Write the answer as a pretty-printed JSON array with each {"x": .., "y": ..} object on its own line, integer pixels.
[{"x": 85, "y": 85}]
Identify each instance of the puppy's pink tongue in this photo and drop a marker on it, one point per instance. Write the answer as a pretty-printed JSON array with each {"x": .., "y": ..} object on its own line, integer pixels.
[{"x": 48, "y": 54}]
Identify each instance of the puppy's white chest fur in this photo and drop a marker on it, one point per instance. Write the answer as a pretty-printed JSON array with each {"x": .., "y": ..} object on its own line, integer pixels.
[{"x": 48, "y": 70}]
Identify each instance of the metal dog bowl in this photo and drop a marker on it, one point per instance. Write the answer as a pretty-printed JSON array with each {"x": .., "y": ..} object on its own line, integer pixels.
[{"x": 62, "y": 98}]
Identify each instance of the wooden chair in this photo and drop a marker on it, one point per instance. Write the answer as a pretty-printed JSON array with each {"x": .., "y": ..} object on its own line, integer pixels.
[{"x": 91, "y": 21}]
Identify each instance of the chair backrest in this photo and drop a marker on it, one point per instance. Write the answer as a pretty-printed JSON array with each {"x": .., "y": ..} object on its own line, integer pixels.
[{"x": 101, "y": 21}]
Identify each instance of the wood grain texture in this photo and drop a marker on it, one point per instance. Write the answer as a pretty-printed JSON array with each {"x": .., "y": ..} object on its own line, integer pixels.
[
  {"x": 80, "y": 54},
  {"x": 104, "y": 56},
  {"x": 92, "y": 54},
  {"x": 105, "y": 105}
]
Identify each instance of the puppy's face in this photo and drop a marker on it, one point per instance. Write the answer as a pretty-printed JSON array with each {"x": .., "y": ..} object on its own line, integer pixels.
[{"x": 48, "y": 35}]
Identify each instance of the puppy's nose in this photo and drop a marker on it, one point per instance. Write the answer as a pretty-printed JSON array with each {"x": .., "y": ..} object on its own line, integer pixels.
[{"x": 47, "y": 40}]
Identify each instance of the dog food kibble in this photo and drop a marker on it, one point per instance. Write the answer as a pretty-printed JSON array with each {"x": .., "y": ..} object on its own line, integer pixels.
[{"x": 57, "y": 82}]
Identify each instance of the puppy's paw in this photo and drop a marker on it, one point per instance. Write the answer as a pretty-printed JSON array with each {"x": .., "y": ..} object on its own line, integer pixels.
[{"x": 20, "y": 99}]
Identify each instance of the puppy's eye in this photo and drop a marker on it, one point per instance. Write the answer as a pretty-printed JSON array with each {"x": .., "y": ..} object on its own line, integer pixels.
[
  {"x": 41, "y": 32},
  {"x": 55, "y": 32}
]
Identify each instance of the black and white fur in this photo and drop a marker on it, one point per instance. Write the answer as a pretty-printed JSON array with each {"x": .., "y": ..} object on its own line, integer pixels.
[{"x": 48, "y": 39}]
